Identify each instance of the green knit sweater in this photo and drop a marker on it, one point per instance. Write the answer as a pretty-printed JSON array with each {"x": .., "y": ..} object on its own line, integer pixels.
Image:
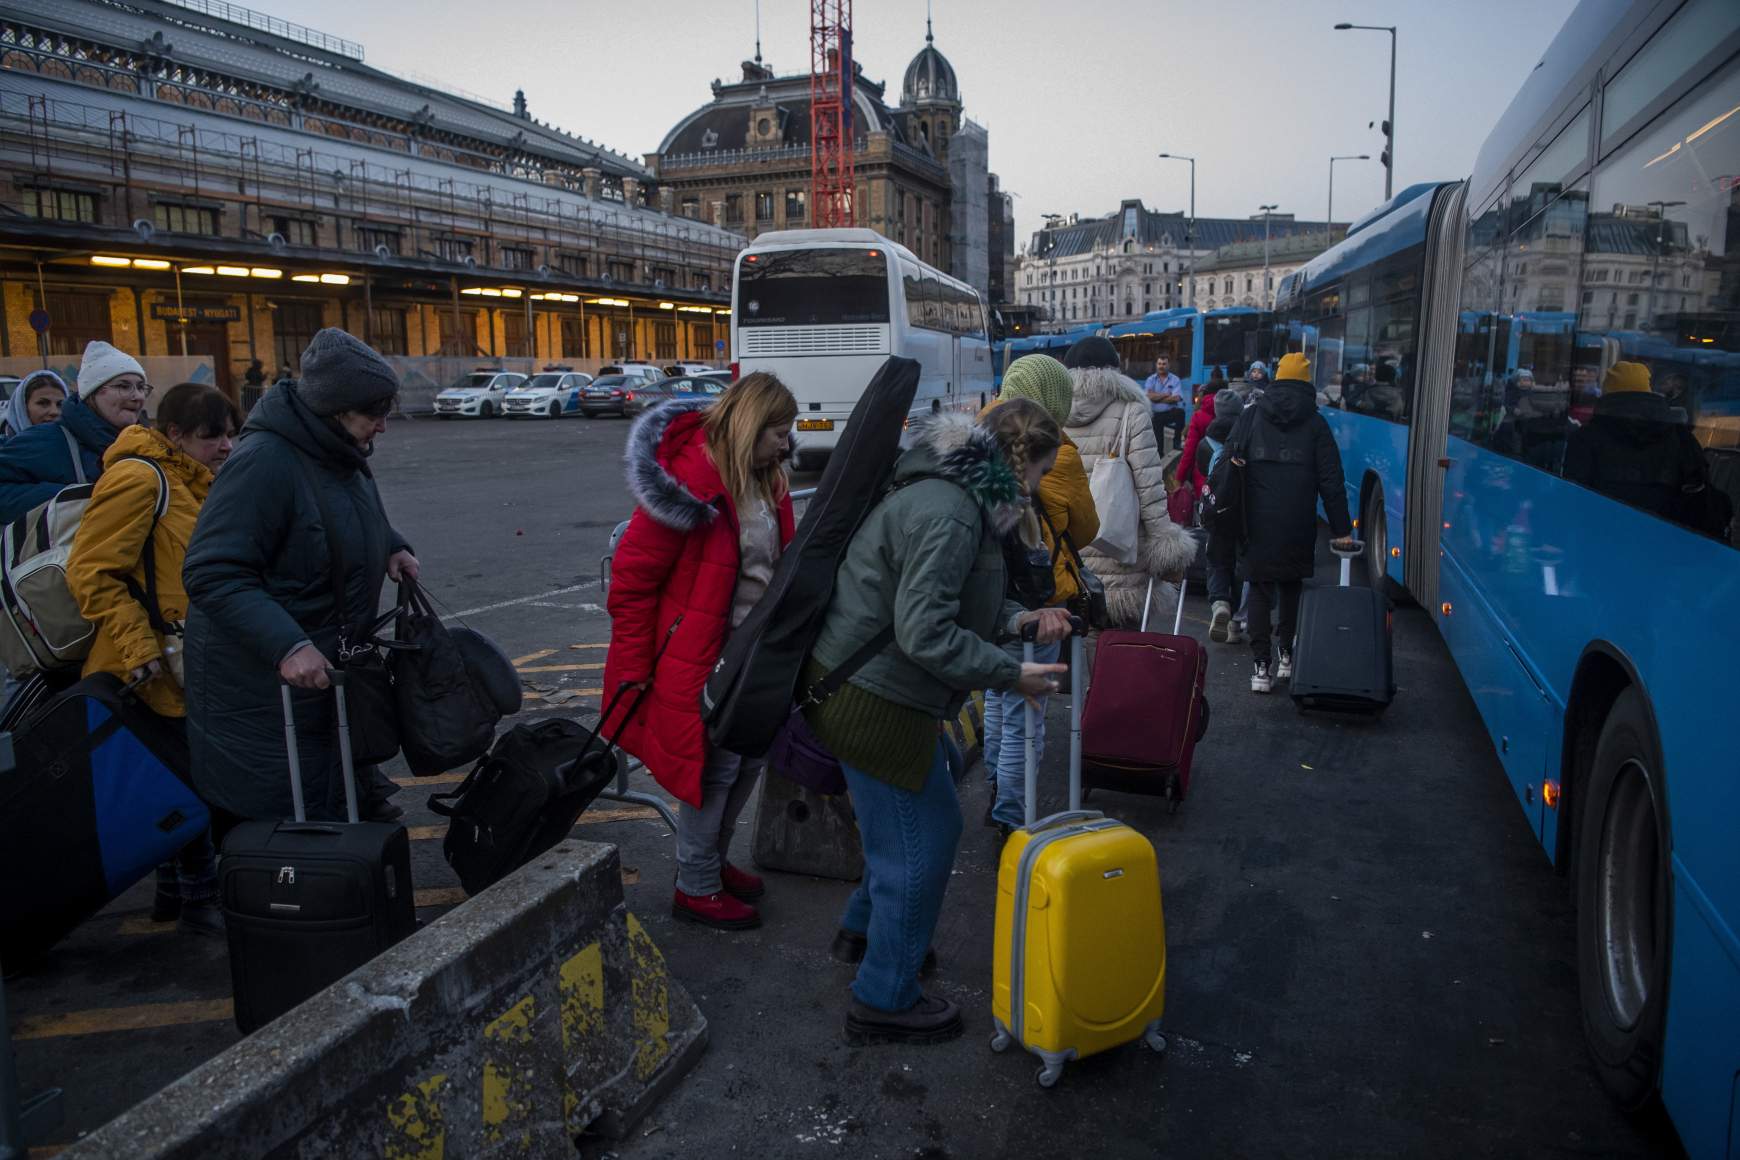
[{"x": 892, "y": 743}]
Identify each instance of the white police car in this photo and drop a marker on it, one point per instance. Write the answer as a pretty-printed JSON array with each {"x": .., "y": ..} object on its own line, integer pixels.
[
  {"x": 480, "y": 394},
  {"x": 548, "y": 395}
]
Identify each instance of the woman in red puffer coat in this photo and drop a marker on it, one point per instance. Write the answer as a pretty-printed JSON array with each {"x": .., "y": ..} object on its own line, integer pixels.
[{"x": 714, "y": 513}]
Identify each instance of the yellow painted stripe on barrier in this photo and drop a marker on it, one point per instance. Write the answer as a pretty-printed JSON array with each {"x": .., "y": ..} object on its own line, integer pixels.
[
  {"x": 652, "y": 1000},
  {"x": 590, "y": 667},
  {"x": 415, "y": 1127},
  {"x": 530, "y": 657},
  {"x": 507, "y": 1089},
  {"x": 581, "y": 985},
  {"x": 103, "y": 1020}
]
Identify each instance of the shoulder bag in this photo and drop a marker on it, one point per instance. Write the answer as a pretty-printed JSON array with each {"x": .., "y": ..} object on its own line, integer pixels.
[{"x": 1113, "y": 485}]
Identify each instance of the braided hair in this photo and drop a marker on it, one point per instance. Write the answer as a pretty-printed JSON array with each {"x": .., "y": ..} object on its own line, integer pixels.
[{"x": 1024, "y": 432}]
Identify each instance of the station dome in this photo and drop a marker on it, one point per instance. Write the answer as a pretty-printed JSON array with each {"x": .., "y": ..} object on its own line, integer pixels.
[{"x": 930, "y": 76}]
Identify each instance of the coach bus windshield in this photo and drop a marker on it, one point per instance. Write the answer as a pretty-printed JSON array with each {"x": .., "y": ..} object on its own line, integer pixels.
[{"x": 822, "y": 287}]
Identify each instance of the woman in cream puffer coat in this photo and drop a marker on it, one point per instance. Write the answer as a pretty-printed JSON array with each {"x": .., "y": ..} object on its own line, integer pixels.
[{"x": 1103, "y": 399}]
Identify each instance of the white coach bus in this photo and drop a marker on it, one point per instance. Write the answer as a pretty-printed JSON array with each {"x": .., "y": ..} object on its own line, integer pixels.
[{"x": 823, "y": 308}]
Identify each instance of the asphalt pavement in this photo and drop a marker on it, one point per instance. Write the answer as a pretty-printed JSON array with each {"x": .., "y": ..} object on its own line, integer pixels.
[{"x": 1369, "y": 954}]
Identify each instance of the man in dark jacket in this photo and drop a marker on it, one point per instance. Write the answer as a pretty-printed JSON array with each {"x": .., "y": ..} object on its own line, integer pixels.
[
  {"x": 39, "y": 461},
  {"x": 1291, "y": 462},
  {"x": 259, "y": 579},
  {"x": 1633, "y": 449}
]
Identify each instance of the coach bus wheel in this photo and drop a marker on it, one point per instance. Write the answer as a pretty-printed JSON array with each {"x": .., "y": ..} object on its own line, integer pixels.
[{"x": 1624, "y": 905}]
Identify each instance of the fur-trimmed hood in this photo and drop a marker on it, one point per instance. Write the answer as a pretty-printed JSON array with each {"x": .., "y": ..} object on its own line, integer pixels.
[
  {"x": 957, "y": 448},
  {"x": 1097, "y": 388},
  {"x": 670, "y": 474}
]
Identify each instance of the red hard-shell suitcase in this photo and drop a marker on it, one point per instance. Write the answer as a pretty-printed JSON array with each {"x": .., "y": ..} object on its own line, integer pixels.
[{"x": 1146, "y": 709}]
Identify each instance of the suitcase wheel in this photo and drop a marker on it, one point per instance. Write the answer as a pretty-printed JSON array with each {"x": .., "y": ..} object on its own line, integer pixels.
[
  {"x": 1049, "y": 1074},
  {"x": 1154, "y": 1040},
  {"x": 1173, "y": 798},
  {"x": 1001, "y": 1040}
]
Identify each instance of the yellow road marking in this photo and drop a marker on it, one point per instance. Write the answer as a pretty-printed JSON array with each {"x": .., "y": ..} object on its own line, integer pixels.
[
  {"x": 589, "y": 818},
  {"x": 100, "y": 1020},
  {"x": 440, "y": 896},
  {"x": 605, "y": 644},
  {"x": 560, "y": 668},
  {"x": 142, "y": 924},
  {"x": 438, "y": 779},
  {"x": 537, "y": 656}
]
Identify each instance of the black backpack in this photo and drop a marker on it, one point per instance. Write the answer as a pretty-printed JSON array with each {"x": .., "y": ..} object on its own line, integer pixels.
[{"x": 749, "y": 694}]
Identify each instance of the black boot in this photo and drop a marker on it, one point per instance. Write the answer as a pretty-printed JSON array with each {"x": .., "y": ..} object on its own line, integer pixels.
[{"x": 932, "y": 1019}]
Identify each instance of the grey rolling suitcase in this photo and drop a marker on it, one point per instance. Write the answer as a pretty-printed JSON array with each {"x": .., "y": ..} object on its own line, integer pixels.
[
  {"x": 307, "y": 902},
  {"x": 1342, "y": 657}
]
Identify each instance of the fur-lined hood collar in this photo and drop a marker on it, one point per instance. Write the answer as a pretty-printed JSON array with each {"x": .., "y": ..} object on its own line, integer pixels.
[
  {"x": 1097, "y": 388},
  {"x": 670, "y": 474},
  {"x": 955, "y": 447}
]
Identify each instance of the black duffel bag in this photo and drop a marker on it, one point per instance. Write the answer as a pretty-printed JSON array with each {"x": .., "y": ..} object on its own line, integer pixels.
[{"x": 446, "y": 717}]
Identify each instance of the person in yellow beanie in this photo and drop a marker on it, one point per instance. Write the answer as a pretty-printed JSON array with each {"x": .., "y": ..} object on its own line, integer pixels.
[
  {"x": 1633, "y": 449},
  {"x": 1290, "y": 461}
]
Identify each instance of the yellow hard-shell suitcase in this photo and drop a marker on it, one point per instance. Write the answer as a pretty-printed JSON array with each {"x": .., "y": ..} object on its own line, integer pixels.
[{"x": 1080, "y": 963}]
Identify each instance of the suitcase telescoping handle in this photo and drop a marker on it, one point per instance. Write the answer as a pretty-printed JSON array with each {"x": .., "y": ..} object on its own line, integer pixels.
[
  {"x": 1177, "y": 616},
  {"x": 337, "y": 677},
  {"x": 1347, "y": 559},
  {"x": 1077, "y": 633}
]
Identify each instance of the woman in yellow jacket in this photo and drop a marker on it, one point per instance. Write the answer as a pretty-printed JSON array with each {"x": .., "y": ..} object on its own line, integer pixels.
[
  {"x": 195, "y": 429},
  {"x": 1068, "y": 507}
]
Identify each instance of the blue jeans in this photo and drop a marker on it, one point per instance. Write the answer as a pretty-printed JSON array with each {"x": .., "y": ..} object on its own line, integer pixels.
[
  {"x": 909, "y": 853},
  {"x": 1006, "y": 743}
]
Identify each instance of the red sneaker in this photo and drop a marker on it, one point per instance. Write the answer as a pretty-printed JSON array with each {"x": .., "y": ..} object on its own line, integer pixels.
[
  {"x": 741, "y": 883},
  {"x": 719, "y": 911}
]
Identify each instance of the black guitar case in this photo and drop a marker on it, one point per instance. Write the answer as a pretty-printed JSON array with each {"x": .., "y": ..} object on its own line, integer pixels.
[{"x": 749, "y": 693}]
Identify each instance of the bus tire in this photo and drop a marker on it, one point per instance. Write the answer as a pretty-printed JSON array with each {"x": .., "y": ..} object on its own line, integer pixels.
[
  {"x": 1374, "y": 529},
  {"x": 1624, "y": 903}
]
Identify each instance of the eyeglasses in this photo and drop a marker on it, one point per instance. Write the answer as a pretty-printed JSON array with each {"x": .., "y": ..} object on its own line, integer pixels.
[{"x": 143, "y": 390}]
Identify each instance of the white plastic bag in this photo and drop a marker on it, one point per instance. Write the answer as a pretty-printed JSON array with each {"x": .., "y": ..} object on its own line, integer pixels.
[{"x": 1113, "y": 484}]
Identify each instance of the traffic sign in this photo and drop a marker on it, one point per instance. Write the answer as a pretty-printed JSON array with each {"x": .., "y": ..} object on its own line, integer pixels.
[
  {"x": 39, "y": 321},
  {"x": 719, "y": 344}
]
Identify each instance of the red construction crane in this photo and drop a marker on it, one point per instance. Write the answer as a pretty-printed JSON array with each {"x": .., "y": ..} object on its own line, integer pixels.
[{"x": 831, "y": 183}]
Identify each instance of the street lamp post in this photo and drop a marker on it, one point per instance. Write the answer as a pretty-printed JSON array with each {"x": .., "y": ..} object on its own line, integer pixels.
[
  {"x": 1390, "y": 131},
  {"x": 1266, "y": 211},
  {"x": 1189, "y": 230},
  {"x": 1329, "y": 213}
]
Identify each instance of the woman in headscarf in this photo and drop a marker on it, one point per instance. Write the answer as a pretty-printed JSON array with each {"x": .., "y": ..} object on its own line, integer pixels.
[{"x": 35, "y": 400}]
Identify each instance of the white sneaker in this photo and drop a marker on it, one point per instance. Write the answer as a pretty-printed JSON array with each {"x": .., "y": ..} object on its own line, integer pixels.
[
  {"x": 1235, "y": 632},
  {"x": 1283, "y": 663},
  {"x": 1218, "y": 621},
  {"x": 1260, "y": 680}
]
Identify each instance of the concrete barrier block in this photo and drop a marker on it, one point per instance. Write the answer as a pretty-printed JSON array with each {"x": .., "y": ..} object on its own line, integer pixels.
[{"x": 533, "y": 1012}]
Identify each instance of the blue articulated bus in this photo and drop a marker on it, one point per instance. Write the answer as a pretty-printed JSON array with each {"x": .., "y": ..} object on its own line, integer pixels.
[
  {"x": 1194, "y": 342},
  {"x": 1055, "y": 345},
  {"x": 1534, "y": 379}
]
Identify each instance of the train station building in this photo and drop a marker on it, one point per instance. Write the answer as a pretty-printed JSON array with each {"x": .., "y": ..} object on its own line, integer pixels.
[{"x": 204, "y": 182}]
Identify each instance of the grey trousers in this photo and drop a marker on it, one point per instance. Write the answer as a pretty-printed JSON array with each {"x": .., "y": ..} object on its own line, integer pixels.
[{"x": 704, "y": 835}]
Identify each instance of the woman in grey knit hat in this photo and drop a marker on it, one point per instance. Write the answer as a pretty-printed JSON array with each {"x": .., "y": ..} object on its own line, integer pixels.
[{"x": 259, "y": 576}]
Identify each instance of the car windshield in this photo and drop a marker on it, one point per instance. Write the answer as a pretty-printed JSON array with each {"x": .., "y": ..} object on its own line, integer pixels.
[
  {"x": 610, "y": 381},
  {"x": 479, "y": 381},
  {"x": 540, "y": 383}
]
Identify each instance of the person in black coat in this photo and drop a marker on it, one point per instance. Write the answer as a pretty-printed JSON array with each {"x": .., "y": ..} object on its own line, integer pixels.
[
  {"x": 1291, "y": 461},
  {"x": 263, "y": 604}
]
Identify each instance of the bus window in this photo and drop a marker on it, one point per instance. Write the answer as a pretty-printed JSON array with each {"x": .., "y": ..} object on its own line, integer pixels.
[
  {"x": 822, "y": 287},
  {"x": 914, "y": 290}
]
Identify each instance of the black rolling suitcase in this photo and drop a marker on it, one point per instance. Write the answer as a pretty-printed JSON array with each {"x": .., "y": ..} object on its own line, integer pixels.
[
  {"x": 1342, "y": 657},
  {"x": 309, "y": 902}
]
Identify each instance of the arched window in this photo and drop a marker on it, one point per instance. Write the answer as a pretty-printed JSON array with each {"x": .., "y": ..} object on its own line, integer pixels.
[{"x": 1228, "y": 289}]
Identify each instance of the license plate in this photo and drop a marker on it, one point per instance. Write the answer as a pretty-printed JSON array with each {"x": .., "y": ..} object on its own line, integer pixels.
[{"x": 815, "y": 425}]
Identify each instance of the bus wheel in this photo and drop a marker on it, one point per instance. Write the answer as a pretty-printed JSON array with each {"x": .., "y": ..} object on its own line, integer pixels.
[
  {"x": 1374, "y": 529},
  {"x": 1624, "y": 905}
]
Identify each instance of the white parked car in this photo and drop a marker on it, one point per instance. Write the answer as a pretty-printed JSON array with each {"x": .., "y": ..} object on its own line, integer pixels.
[
  {"x": 480, "y": 395},
  {"x": 689, "y": 368},
  {"x": 548, "y": 395}
]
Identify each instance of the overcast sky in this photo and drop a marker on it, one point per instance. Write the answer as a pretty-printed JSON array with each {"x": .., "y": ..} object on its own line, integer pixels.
[{"x": 1078, "y": 96}]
